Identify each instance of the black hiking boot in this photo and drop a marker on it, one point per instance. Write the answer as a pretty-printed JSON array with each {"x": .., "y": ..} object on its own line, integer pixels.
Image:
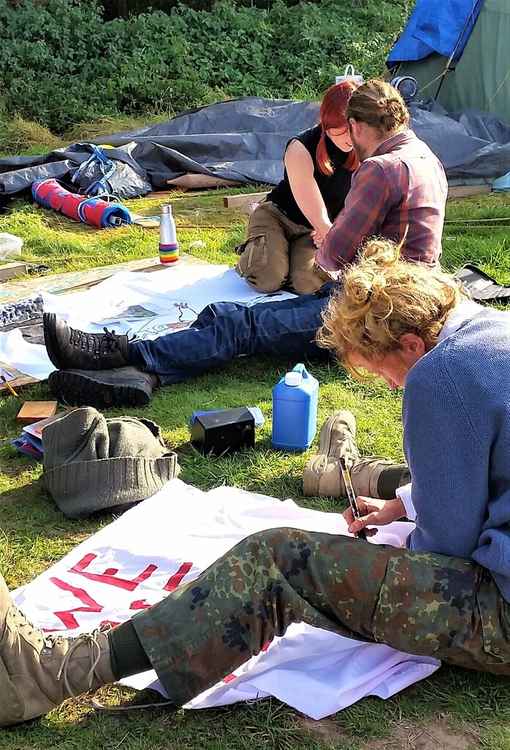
[
  {"x": 69, "y": 347},
  {"x": 123, "y": 386}
]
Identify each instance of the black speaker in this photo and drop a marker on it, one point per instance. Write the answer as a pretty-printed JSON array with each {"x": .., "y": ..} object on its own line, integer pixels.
[{"x": 224, "y": 431}]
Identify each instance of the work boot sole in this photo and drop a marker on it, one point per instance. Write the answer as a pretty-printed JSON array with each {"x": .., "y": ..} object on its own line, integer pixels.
[{"x": 80, "y": 388}]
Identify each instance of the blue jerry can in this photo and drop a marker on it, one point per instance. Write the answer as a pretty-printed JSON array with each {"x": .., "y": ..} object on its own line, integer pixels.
[{"x": 295, "y": 399}]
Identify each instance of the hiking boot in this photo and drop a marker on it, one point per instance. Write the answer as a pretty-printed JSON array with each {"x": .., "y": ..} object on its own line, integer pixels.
[
  {"x": 323, "y": 475},
  {"x": 338, "y": 437},
  {"x": 124, "y": 386},
  {"x": 38, "y": 671},
  {"x": 69, "y": 347}
]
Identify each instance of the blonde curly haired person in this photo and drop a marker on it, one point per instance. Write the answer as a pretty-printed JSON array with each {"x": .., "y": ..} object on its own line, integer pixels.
[{"x": 445, "y": 595}]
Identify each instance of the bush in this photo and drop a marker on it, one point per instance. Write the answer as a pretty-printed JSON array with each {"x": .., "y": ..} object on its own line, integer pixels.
[{"x": 62, "y": 62}]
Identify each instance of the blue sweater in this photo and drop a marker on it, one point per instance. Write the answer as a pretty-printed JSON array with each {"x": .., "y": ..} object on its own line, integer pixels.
[{"x": 456, "y": 415}]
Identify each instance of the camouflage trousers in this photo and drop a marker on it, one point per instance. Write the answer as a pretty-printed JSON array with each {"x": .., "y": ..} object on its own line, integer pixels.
[{"x": 419, "y": 603}]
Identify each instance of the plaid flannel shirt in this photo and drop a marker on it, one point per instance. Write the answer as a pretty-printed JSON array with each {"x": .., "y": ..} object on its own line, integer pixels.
[{"x": 400, "y": 191}]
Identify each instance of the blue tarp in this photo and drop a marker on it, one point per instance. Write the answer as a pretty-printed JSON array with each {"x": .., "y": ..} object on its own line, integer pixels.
[{"x": 442, "y": 26}]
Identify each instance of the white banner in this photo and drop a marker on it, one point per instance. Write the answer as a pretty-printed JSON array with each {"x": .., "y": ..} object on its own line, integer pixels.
[
  {"x": 173, "y": 536},
  {"x": 147, "y": 305}
]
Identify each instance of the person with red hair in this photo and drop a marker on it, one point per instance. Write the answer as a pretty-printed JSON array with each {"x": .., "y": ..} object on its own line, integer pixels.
[
  {"x": 279, "y": 249},
  {"x": 398, "y": 192}
]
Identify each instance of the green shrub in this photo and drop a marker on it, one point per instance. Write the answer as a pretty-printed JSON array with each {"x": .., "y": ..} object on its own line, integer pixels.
[{"x": 62, "y": 62}]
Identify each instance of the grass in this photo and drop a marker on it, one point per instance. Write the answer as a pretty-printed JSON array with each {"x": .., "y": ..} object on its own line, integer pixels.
[
  {"x": 33, "y": 534},
  {"x": 18, "y": 135}
]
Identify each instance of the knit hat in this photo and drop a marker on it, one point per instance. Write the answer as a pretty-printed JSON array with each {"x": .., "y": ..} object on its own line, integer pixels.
[{"x": 92, "y": 463}]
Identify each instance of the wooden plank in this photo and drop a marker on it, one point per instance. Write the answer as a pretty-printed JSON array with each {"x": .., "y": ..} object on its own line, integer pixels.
[
  {"x": 467, "y": 191},
  {"x": 244, "y": 200},
  {"x": 34, "y": 411},
  {"x": 11, "y": 270},
  {"x": 18, "y": 382}
]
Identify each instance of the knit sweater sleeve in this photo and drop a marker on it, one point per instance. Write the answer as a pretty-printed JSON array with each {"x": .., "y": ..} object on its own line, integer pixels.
[{"x": 447, "y": 460}]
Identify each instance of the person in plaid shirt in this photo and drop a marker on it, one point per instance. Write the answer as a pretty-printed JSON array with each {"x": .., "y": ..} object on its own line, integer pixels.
[{"x": 398, "y": 192}]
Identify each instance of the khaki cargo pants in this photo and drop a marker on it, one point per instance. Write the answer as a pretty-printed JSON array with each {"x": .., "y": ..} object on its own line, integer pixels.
[
  {"x": 420, "y": 603},
  {"x": 279, "y": 252}
]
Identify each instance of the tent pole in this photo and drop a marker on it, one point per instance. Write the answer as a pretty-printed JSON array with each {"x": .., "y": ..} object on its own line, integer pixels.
[{"x": 450, "y": 59}]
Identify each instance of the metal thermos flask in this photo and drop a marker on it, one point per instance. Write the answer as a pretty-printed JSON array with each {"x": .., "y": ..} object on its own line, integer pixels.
[{"x": 168, "y": 245}]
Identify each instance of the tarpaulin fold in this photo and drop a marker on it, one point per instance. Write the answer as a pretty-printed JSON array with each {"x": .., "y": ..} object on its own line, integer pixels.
[{"x": 244, "y": 140}]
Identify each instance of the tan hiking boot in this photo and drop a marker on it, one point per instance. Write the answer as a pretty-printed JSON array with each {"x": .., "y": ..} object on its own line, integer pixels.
[
  {"x": 322, "y": 475},
  {"x": 38, "y": 671},
  {"x": 338, "y": 437}
]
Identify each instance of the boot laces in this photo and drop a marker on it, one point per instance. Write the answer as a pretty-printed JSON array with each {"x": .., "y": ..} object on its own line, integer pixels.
[
  {"x": 24, "y": 625},
  {"x": 95, "y": 343},
  {"x": 90, "y": 639}
]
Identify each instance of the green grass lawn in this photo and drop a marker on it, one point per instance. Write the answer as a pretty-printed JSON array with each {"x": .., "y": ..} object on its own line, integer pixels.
[{"x": 467, "y": 710}]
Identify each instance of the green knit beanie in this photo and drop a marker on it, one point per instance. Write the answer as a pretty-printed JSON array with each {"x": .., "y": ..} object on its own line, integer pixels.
[{"x": 92, "y": 463}]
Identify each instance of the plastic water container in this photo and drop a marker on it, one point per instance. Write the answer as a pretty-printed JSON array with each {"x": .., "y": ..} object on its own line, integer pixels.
[
  {"x": 10, "y": 246},
  {"x": 295, "y": 399}
]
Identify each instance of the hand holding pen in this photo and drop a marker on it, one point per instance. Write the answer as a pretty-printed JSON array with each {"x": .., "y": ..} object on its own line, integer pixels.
[
  {"x": 351, "y": 496},
  {"x": 369, "y": 511}
]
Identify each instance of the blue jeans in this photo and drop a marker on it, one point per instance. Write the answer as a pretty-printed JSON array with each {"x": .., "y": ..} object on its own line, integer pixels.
[{"x": 226, "y": 330}]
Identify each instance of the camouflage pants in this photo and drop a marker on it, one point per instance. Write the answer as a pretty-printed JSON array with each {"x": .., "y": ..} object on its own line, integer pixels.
[{"x": 419, "y": 603}]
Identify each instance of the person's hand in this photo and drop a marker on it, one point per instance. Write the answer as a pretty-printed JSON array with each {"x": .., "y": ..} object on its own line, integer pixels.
[
  {"x": 317, "y": 239},
  {"x": 319, "y": 233},
  {"x": 374, "y": 512}
]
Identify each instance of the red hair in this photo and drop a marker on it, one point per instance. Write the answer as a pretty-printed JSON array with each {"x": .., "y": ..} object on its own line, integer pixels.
[{"x": 333, "y": 115}]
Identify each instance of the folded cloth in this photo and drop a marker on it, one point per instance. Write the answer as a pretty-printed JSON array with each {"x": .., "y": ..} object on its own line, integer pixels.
[
  {"x": 92, "y": 463},
  {"x": 481, "y": 286}
]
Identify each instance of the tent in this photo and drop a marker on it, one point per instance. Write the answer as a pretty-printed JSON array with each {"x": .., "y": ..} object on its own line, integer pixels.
[{"x": 458, "y": 51}]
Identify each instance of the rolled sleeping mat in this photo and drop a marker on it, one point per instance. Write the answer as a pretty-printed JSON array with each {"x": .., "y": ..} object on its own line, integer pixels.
[{"x": 93, "y": 211}]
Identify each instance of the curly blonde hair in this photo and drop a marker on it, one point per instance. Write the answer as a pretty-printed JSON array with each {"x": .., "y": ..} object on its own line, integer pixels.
[{"x": 383, "y": 297}]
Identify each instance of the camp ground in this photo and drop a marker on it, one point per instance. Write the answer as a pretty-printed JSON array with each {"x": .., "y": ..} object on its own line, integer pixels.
[{"x": 87, "y": 236}]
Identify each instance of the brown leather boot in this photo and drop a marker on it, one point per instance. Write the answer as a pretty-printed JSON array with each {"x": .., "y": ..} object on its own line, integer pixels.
[
  {"x": 70, "y": 348},
  {"x": 38, "y": 671}
]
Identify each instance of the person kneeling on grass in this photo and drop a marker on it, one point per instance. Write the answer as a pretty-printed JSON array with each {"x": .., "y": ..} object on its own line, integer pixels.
[
  {"x": 446, "y": 595},
  {"x": 399, "y": 192}
]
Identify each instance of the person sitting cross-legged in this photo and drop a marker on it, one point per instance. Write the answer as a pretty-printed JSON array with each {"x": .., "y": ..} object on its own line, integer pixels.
[
  {"x": 445, "y": 595},
  {"x": 398, "y": 192}
]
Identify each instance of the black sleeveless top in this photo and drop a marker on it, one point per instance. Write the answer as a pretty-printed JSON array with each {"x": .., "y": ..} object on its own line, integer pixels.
[{"x": 333, "y": 188}]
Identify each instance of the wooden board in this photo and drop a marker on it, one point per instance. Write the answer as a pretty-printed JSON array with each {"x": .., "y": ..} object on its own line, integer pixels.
[
  {"x": 467, "y": 191},
  {"x": 244, "y": 200},
  {"x": 18, "y": 382},
  {"x": 11, "y": 270},
  {"x": 34, "y": 411}
]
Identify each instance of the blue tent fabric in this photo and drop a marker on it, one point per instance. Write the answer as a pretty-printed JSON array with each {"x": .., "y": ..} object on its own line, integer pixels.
[{"x": 442, "y": 26}]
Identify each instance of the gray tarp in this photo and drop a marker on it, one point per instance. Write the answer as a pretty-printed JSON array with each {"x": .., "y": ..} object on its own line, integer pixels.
[{"x": 244, "y": 139}]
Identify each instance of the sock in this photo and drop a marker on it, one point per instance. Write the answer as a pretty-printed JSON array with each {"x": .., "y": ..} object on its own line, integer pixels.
[
  {"x": 390, "y": 479},
  {"x": 126, "y": 652}
]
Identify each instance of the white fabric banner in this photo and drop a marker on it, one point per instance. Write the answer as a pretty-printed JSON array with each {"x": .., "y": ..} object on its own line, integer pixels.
[
  {"x": 173, "y": 536},
  {"x": 146, "y": 304}
]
